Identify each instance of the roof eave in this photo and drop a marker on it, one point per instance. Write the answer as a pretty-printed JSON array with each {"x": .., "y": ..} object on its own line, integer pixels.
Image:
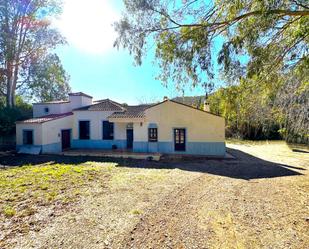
[
  {"x": 45, "y": 121},
  {"x": 126, "y": 120}
]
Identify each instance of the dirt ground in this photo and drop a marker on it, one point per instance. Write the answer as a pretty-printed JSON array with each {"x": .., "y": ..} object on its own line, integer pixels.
[{"x": 258, "y": 200}]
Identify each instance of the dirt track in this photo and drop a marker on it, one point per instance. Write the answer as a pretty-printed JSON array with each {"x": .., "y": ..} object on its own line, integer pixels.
[
  {"x": 212, "y": 211},
  {"x": 259, "y": 200}
]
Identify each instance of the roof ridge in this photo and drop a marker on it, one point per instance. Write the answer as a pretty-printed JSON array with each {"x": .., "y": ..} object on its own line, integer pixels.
[
  {"x": 176, "y": 102},
  {"x": 52, "y": 102},
  {"x": 80, "y": 94},
  {"x": 112, "y": 105},
  {"x": 116, "y": 103}
]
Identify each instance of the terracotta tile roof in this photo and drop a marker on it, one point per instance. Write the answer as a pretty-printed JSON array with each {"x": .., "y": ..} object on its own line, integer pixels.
[
  {"x": 53, "y": 102},
  {"x": 131, "y": 112},
  {"x": 103, "y": 105},
  {"x": 195, "y": 108},
  {"x": 44, "y": 119},
  {"x": 80, "y": 94}
]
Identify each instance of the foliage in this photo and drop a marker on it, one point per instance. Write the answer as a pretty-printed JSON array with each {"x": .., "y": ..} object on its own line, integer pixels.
[
  {"x": 9, "y": 115},
  {"x": 261, "y": 48},
  {"x": 292, "y": 102},
  {"x": 186, "y": 34},
  {"x": 26, "y": 36},
  {"x": 260, "y": 111},
  {"x": 9, "y": 211},
  {"x": 49, "y": 80},
  {"x": 247, "y": 110}
]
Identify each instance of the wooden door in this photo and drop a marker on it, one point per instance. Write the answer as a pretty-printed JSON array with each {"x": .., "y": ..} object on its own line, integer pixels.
[
  {"x": 66, "y": 139},
  {"x": 129, "y": 138},
  {"x": 180, "y": 139}
]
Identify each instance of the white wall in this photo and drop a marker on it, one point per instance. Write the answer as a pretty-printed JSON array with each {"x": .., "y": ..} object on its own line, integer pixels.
[
  {"x": 120, "y": 131},
  {"x": 38, "y": 109},
  {"x": 96, "y": 119},
  {"x": 45, "y": 133},
  {"x": 52, "y": 129},
  {"x": 37, "y": 133},
  {"x": 200, "y": 126},
  {"x": 79, "y": 101},
  {"x": 75, "y": 102}
]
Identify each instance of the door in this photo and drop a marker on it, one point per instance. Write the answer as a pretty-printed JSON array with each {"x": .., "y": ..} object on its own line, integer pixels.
[
  {"x": 180, "y": 139},
  {"x": 66, "y": 139},
  {"x": 129, "y": 138}
]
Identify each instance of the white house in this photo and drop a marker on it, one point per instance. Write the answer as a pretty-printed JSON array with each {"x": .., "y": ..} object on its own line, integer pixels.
[{"x": 165, "y": 127}]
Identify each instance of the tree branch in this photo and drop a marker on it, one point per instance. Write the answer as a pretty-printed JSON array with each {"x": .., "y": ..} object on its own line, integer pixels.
[
  {"x": 299, "y": 4},
  {"x": 253, "y": 13},
  {"x": 227, "y": 22}
]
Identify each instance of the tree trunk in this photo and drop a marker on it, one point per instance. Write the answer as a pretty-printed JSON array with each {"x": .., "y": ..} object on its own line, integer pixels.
[
  {"x": 10, "y": 92},
  {"x": 8, "y": 87},
  {"x": 14, "y": 83},
  {"x": 10, "y": 98}
]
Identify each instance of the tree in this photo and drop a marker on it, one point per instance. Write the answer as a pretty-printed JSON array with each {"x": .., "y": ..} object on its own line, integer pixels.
[
  {"x": 261, "y": 47},
  {"x": 274, "y": 35},
  {"x": 47, "y": 79},
  {"x": 247, "y": 109},
  {"x": 292, "y": 102},
  {"x": 25, "y": 36},
  {"x": 8, "y": 116}
]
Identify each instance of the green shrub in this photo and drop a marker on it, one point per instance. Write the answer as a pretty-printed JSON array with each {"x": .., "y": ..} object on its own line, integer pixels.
[{"x": 9, "y": 211}]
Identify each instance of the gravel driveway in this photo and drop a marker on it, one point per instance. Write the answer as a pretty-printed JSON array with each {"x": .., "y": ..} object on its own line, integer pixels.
[{"x": 259, "y": 200}]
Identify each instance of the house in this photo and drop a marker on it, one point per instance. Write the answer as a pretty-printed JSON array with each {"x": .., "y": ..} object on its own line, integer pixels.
[{"x": 80, "y": 122}]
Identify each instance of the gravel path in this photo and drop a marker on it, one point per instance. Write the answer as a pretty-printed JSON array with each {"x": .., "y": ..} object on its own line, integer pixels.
[
  {"x": 259, "y": 200},
  {"x": 215, "y": 211}
]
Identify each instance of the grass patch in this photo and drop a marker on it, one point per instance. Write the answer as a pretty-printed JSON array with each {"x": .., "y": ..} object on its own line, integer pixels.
[
  {"x": 136, "y": 212},
  {"x": 9, "y": 211},
  {"x": 43, "y": 184}
]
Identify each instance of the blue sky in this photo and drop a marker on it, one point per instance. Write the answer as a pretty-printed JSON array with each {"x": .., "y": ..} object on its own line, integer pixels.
[{"x": 98, "y": 69}]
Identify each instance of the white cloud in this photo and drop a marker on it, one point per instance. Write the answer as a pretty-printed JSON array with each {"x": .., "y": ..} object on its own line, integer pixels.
[{"x": 87, "y": 25}]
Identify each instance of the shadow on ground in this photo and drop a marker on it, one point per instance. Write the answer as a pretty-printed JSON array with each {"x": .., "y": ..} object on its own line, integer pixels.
[{"x": 244, "y": 167}]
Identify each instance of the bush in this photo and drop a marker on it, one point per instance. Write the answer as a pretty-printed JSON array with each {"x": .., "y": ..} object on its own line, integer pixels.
[{"x": 8, "y": 116}]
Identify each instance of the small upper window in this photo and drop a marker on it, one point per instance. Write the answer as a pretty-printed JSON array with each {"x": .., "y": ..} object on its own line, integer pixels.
[
  {"x": 152, "y": 134},
  {"x": 28, "y": 137},
  {"x": 46, "y": 110}
]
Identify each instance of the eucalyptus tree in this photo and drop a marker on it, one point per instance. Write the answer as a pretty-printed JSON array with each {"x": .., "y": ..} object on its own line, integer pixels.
[
  {"x": 26, "y": 35},
  {"x": 255, "y": 36},
  {"x": 261, "y": 46},
  {"x": 47, "y": 79}
]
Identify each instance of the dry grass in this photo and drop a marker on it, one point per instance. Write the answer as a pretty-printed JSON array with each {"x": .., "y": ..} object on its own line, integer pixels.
[
  {"x": 27, "y": 191},
  {"x": 98, "y": 204},
  {"x": 91, "y": 201}
]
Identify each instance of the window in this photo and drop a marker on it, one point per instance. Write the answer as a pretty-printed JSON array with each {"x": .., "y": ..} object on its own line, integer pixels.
[
  {"x": 84, "y": 129},
  {"x": 46, "y": 110},
  {"x": 108, "y": 130},
  {"x": 28, "y": 137},
  {"x": 152, "y": 134}
]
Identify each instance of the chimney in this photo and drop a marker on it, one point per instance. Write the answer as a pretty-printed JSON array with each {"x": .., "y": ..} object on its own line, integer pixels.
[
  {"x": 206, "y": 106},
  {"x": 165, "y": 98}
]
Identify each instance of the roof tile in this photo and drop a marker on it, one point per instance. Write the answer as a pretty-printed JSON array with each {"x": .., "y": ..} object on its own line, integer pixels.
[
  {"x": 80, "y": 94},
  {"x": 103, "y": 105},
  {"x": 44, "y": 119},
  {"x": 131, "y": 112}
]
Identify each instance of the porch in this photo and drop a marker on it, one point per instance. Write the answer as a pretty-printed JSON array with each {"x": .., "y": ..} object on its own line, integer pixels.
[{"x": 117, "y": 153}]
